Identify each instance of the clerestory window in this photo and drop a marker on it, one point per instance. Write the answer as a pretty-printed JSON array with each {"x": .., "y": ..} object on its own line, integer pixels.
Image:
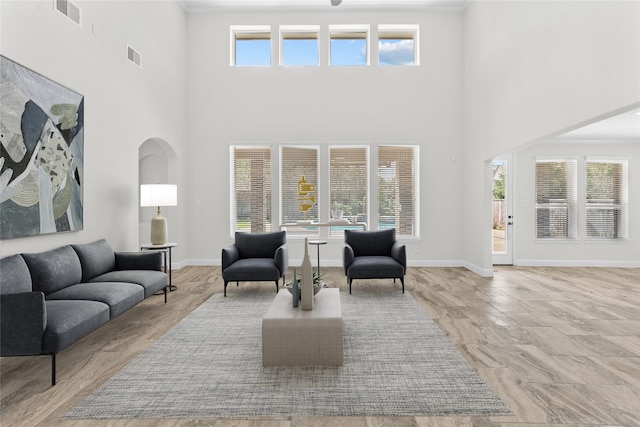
[{"x": 250, "y": 46}]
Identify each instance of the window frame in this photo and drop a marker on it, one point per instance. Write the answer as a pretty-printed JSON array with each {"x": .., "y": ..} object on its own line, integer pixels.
[
  {"x": 284, "y": 188},
  {"x": 621, "y": 220},
  {"x": 385, "y": 32},
  {"x": 337, "y": 231},
  {"x": 249, "y": 32},
  {"x": 299, "y": 32},
  {"x": 414, "y": 224},
  {"x": 571, "y": 203},
  {"x": 344, "y": 31},
  {"x": 233, "y": 188}
]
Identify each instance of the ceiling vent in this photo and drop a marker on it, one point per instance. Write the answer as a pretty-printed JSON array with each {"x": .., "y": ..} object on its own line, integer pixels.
[
  {"x": 134, "y": 56},
  {"x": 68, "y": 9}
]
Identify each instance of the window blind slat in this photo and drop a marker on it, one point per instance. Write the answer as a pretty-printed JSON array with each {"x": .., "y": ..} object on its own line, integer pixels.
[
  {"x": 300, "y": 36},
  {"x": 606, "y": 199},
  {"x": 398, "y": 189},
  {"x": 396, "y": 35},
  {"x": 348, "y": 184},
  {"x": 349, "y": 35},
  {"x": 295, "y": 163},
  {"x": 251, "y": 192},
  {"x": 253, "y": 36},
  {"x": 556, "y": 199}
]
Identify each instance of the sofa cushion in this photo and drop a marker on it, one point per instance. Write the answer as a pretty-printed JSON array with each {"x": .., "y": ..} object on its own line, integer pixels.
[
  {"x": 69, "y": 320},
  {"x": 14, "y": 275},
  {"x": 370, "y": 243},
  {"x": 146, "y": 260},
  {"x": 118, "y": 296},
  {"x": 259, "y": 245},
  {"x": 96, "y": 258},
  {"x": 54, "y": 270},
  {"x": 150, "y": 280},
  {"x": 23, "y": 319},
  {"x": 375, "y": 267},
  {"x": 254, "y": 269}
]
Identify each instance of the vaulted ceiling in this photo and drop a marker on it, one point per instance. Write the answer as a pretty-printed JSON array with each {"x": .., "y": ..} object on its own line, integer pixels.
[{"x": 197, "y": 6}]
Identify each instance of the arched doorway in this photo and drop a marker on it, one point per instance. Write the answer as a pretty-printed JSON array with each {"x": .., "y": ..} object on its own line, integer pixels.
[{"x": 157, "y": 164}]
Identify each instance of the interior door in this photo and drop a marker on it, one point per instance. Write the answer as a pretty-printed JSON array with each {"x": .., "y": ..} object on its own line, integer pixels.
[{"x": 502, "y": 206}]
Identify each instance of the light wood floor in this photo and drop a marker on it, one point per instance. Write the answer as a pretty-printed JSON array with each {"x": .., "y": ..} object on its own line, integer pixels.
[{"x": 561, "y": 346}]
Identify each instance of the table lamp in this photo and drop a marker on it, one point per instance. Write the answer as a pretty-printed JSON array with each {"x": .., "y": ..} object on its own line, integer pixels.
[{"x": 158, "y": 195}]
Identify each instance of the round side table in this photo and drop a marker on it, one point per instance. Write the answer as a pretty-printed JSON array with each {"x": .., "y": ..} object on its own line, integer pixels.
[
  {"x": 165, "y": 249},
  {"x": 317, "y": 243}
]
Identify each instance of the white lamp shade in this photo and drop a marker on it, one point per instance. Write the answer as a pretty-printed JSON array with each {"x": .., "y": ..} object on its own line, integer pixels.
[{"x": 158, "y": 195}]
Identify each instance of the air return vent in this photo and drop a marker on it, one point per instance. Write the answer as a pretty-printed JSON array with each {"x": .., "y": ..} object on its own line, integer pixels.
[
  {"x": 134, "y": 56},
  {"x": 68, "y": 9}
]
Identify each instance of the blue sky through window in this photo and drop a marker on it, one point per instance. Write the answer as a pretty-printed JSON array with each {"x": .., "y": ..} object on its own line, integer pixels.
[
  {"x": 348, "y": 52},
  {"x": 343, "y": 51},
  {"x": 253, "y": 52},
  {"x": 300, "y": 52},
  {"x": 396, "y": 52}
]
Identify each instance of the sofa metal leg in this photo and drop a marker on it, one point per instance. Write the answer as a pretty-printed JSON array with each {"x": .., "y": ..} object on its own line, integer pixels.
[
  {"x": 165, "y": 294},
  {"x": 53, "y": 369}
]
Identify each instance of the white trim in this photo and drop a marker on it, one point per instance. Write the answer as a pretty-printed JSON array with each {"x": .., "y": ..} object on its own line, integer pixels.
[
  {"x": 246, "y": 29},
  {"x": 577, "y": 263},
  {"x": 347, "y": 28}
]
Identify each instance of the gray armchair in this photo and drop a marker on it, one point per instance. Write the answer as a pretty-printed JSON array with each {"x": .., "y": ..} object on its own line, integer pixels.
[
  {"x": 255, "y": 257},
  {"x": 373, "y": 255}
]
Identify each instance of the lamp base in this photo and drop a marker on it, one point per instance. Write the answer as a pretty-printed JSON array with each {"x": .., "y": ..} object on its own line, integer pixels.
[{"x": 158, "y": 230}]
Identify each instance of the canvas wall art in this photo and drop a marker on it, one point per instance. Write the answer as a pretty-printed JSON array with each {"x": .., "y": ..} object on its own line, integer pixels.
[{"x": 41, "y": 154}]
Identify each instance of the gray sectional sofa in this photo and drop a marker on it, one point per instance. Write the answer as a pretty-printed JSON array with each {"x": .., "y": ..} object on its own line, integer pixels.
[{"x": 49, "y": 300}]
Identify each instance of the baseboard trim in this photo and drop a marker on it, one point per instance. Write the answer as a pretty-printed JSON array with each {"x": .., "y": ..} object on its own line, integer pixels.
[{"x": 577, "y": 263}]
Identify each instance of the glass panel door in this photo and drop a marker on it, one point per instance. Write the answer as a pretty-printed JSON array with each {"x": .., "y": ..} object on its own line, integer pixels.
[{"x": 502, "y": 212}]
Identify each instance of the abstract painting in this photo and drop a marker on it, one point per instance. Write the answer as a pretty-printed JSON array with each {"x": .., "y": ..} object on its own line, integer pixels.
[{"x": 41, "y": 154}]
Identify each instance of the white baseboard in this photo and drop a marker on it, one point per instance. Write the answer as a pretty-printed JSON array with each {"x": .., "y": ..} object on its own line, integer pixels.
[
  {"x": 483, "y": 272},
  {"x": 576, "y": 263}
]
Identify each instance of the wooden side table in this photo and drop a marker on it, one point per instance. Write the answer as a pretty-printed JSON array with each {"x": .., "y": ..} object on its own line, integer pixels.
[{"x": 166, "y": 250}]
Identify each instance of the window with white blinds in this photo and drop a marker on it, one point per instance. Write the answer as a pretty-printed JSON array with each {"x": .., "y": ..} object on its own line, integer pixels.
[
  {"x": 250, "y": 189},
  {"x": 298, "y": 186},
  {"x": 348, "y": 185},
  {"x": 398, "y": 189},
  {"x": 299, "y": 45},
  {"x": 556, "y": 199},
  {"x": 251, "y": 45},
  {"x": 349, "y": 45},
  {"x": 397, "y": 45},
  {"x": 606, "y": 199}
]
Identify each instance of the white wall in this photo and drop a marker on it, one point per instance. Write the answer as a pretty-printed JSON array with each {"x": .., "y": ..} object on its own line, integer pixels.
[
  {"x": 124, "y": 105},
  {"x": 492, "y": 80},
  {"x": 326, "y": 104},
  {"x": 534, "y": 68}
]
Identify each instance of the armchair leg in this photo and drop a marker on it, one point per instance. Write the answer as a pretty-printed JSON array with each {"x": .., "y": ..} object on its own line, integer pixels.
[
  {"x": 350, "y": 280},
  {"x": 402, "y": 280},
  {"x": 53, "y": 369},
  {"x": 277, "y": 287},
  {"x": 225, "y": 288}
]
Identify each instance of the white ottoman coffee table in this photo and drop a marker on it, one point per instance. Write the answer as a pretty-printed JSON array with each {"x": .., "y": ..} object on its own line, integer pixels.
[{"x": 296, "y": 337}]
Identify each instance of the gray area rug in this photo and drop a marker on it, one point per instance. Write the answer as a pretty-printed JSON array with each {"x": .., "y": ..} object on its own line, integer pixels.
[{"x": 397, "y": 362}]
